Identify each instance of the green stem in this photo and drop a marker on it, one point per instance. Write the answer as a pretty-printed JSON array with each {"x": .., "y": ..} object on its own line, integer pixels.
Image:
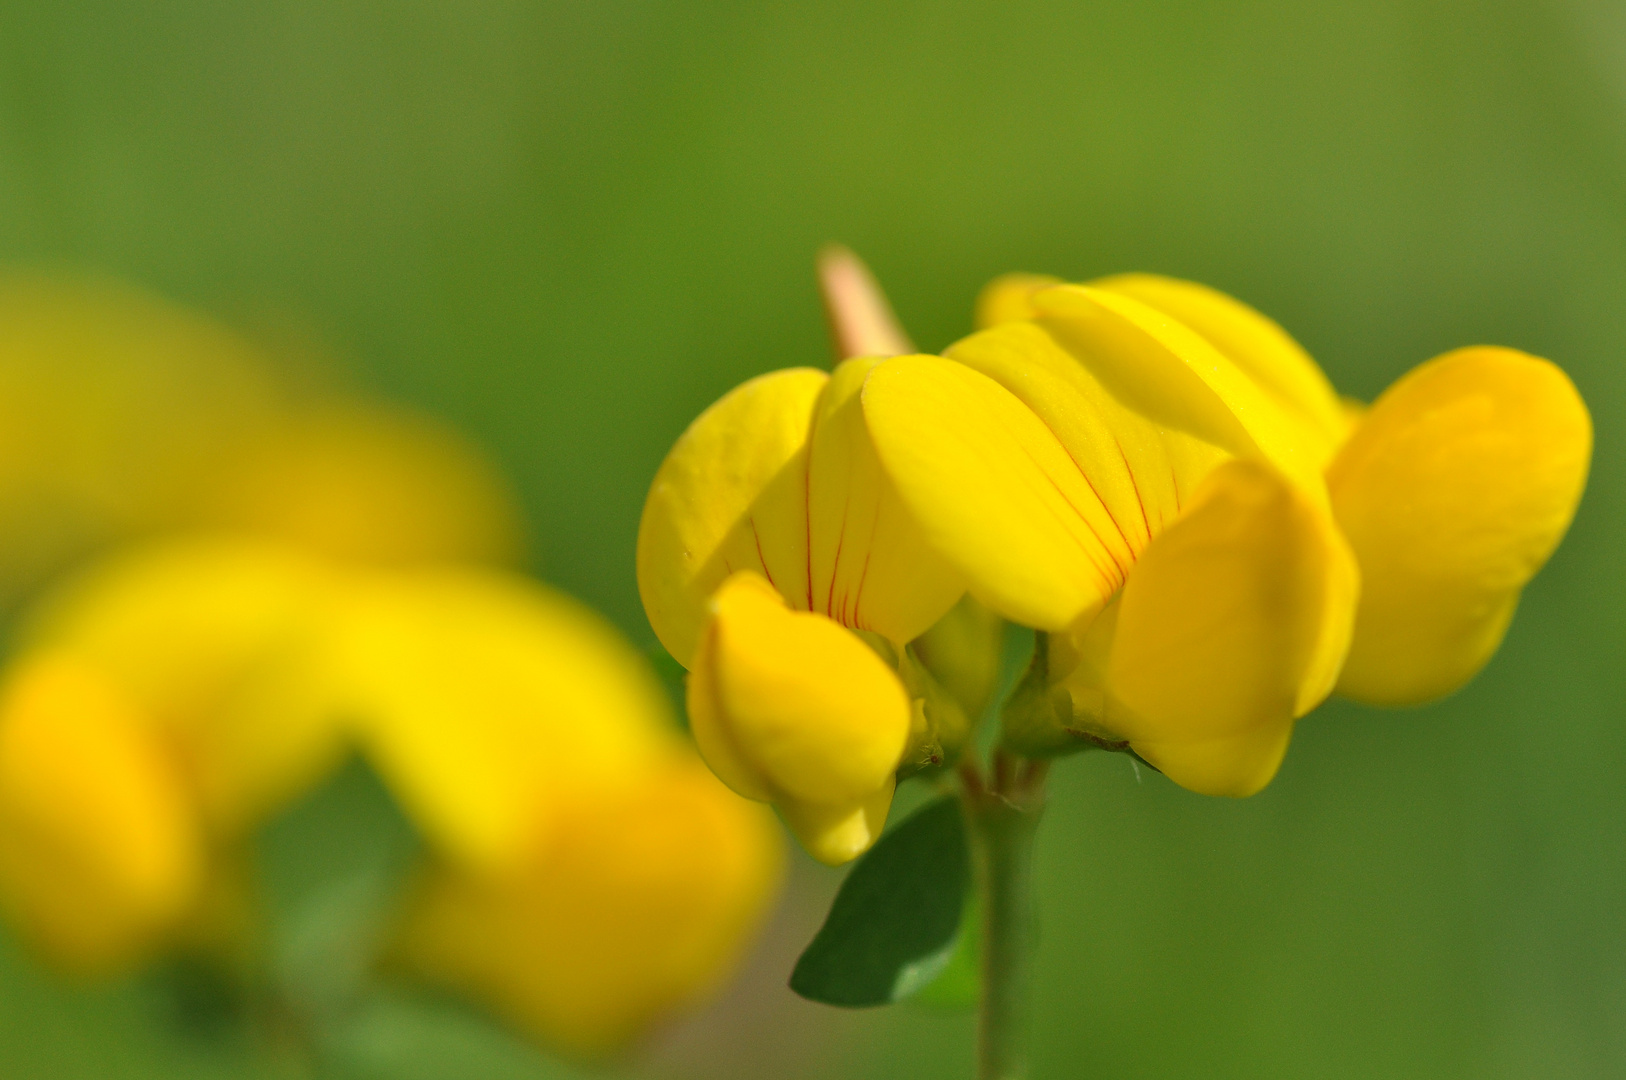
[{"x": 1003, "y": 823}]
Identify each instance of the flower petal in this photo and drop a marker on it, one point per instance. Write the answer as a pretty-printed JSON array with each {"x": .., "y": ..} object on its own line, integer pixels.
[
  {"x": 485, "y": 700},
  {"x": 100, "y": 854},
  {"x": 993, "y": 490},
  {"x": 731, "y": 495},
  {"x": 1141, "y": 473},
  {"x": 1254, "y": 343},
  {"x": 1172, "y": 375},
  {"x": 870, "y": 567},
  {"x": 837, "y": 833},
  {"x": 1453, "y": 491},
  {"x": 640, "y": 904},
  {"x": 1009, "y": 298},
  {"x": 1232, "y": 625},
  {"x": 205, "y": 637},
  {"x": 790, "y": 704},
  {"x": 370, "y": 484}
]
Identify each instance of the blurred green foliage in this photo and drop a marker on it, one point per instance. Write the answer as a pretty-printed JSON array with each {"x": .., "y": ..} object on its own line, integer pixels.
[{"x": 569, "y": 227}]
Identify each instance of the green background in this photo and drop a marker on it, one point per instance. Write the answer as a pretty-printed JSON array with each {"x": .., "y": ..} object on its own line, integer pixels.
[{"x": 569, "y": 226}]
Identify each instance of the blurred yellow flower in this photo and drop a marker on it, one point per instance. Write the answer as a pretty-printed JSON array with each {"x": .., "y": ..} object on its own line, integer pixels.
[
  {"x": 173, "y": 663},
  {"x": 171, "y": 700},
  {"x": 317, "y": 595},
  {"x": 114, "y": 408}
]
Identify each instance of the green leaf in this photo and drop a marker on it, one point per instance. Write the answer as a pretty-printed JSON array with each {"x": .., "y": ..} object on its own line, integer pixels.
[
  {"x": 895, "y": 923},
  {"x": 959, "y": 985}
]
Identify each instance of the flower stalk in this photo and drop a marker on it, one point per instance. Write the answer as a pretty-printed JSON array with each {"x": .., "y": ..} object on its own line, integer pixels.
[{"x": 1004, "y": 816}]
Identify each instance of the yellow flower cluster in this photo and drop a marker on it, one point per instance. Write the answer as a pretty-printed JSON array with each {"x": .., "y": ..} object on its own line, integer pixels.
[
  {"x": 1151, "y": 473},
  {"x": 298, "y": 582}
]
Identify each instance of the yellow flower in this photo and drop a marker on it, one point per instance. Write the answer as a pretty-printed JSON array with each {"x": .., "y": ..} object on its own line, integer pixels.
[
  {"x": 585, "y": 874},
  {"x": 770, "y": 536},
  {"x": 481, "y": 697},
  {"x": 1162, "y": 480},
  {"x": 115, "y": 408},
  {"x": 1151, "y": 473}
]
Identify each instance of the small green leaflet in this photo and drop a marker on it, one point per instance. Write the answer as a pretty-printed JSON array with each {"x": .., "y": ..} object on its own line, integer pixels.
[{"x": 896, "y": 922}]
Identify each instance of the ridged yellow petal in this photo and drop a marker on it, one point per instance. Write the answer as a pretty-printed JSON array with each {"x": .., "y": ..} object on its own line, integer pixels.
[
  {"x": 1453, "y": 491},
  {"x": 994, "y": 490},
  {"x": 871, "y": 568},
  {"x": 1140, "y": 472},
  {"x": 1254, "y": 343},
  {"x": 638, "y": 905},
  {"x": 1232, "y": 625},
  {"x": 731, "y": 495},
  {"x": 1172, "y": 375},
  {"x": 101, "y": 854}
]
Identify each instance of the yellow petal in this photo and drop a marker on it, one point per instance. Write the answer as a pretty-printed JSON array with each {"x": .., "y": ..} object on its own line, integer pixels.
[
  {"x": 483, "y": 699},
  {"x": 838, "y": 833},
  {"x": 1254, "y": 343},
  {"x": 1172, "y": 375},
  {"x": 994, "y": 491},
  {"x": 1453, "y": 492},
  {"x": 639, "y": 906},
  {"x": 1232, "y": 626},
  {"x": 790, "y": 707},
  {"x": 100, "y": 854},
  {"x": 1009, "y": 298},
  {"x": 871, "y": 568},
  {"x": 203, "y": 636},
  {"x": 369, "y": 483},
  {"x": 731, "y": 495},
  {"x": 116, "y": 407},
  {"x": 1141, "y": 473}
]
